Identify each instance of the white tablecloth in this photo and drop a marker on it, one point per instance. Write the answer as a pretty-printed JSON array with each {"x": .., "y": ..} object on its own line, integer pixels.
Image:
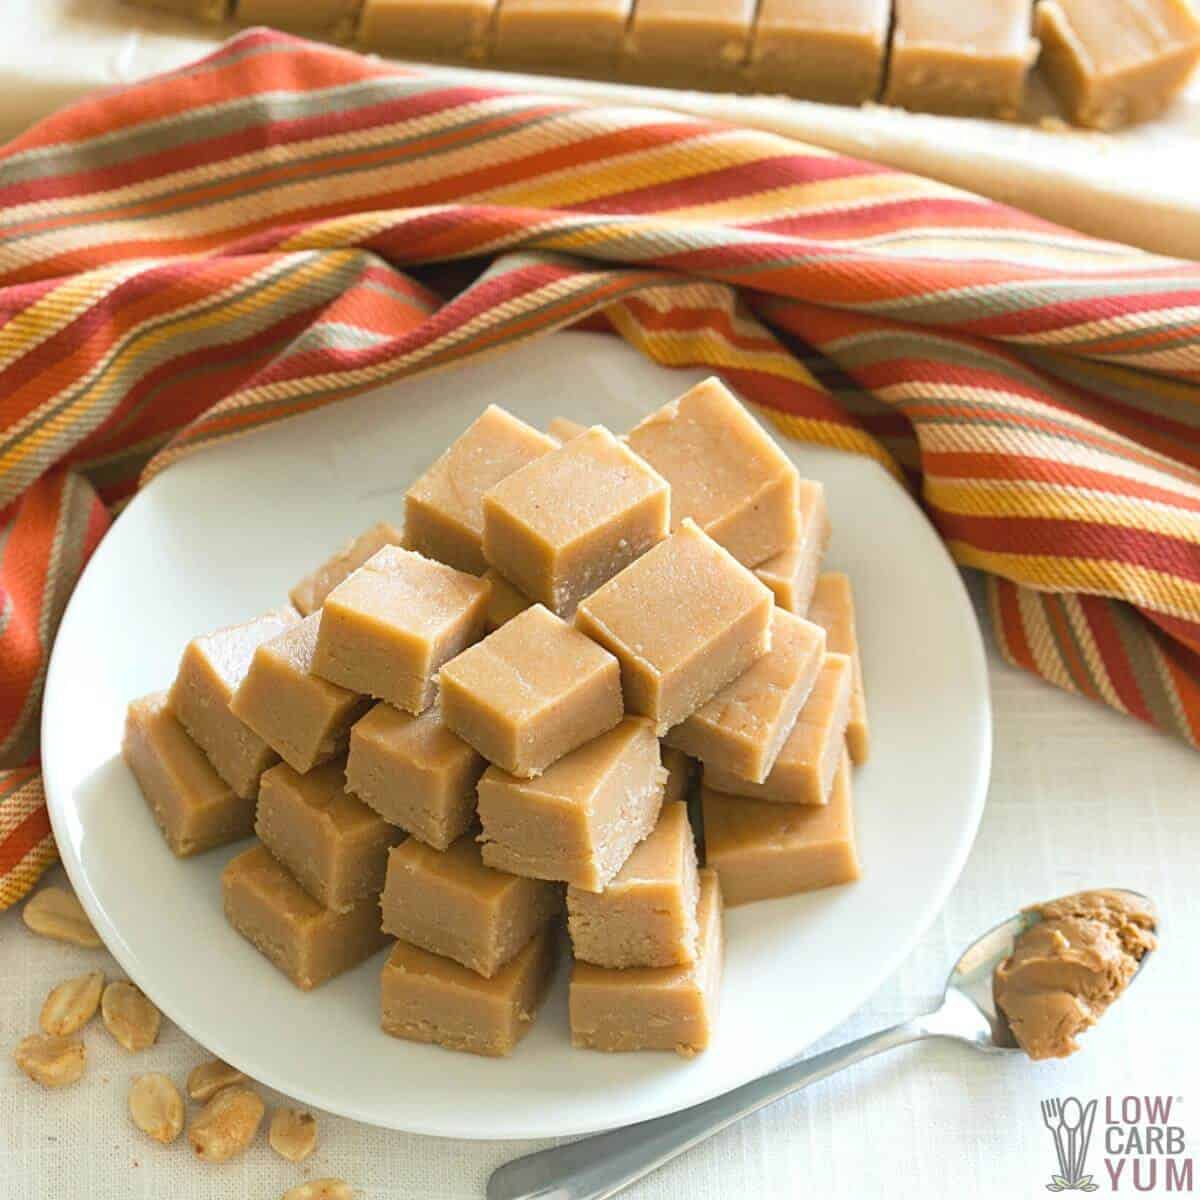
[{"x": 1080, "y": 797}]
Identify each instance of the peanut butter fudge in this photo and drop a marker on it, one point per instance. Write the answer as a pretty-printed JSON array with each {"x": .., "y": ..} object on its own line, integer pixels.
[
  {"x": 211, "y": 670},
  {"x": 451, "y": 904},
  {"x": 201, "y": 10},
  {"x": 334, "y": 846},
  {"x": 762, "y": 851},
  {"x": 305, "y": 719},
  {"x": 689, "y": 43},
  {"x": 832, "y": 608},
  {"x": 334, "y": 19},
  {"x": 966, "y": 59},
  {"x": 505, "y": 602},
  {"x": 309, "y": 594},
  {"x": 743, "y": 727},
  {"x": 725, "y": 473},
  {"x": 827, "y": 50},
  {"x": 655, "y": 1008},
  {"x": 792, "y": 574},
  {"x": 684, "y": 620},
  {"x": 804, "y": 771},
  {"x": 194, "y": 807},
  {"x": 568, "y": 37},
  {"x": 679, "y": 773},
  {"x": 307, "y": 942},
  {"x": 531, "y": 692},
  {"x": 443, "y": 30},
  {"x": 563, "y": 429},
  {"x": 427, "y": 998},
  {"x": 444, "y": 508},
  {"x": 569, "y": 521},
  {"x": 646, "y": 917},
  {"x": 414, "y": 773},
  {"x": 387, "y": 629},
  {"x": 1117, "y": 62},
  {"x": 579, "y": 821}
]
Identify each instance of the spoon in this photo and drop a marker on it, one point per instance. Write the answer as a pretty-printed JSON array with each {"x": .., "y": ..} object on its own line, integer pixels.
[{"x": 601, "y": 1165}]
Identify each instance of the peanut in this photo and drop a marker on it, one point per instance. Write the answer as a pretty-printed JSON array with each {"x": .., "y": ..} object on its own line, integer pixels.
[
  {"x": 129, "y": 1016},
  {"x": 320, "y": 1189},
  {"x": 52, "y": 1061},
  {"x": 226, "y": 1125},
  {"x": 72, "y": 1004},
  {"x": 156, "y": 1107},
  {"x": 55, "y": 913},
  {"x": 293, "y": 1134},
  {"x": 206, "y": 1080}
]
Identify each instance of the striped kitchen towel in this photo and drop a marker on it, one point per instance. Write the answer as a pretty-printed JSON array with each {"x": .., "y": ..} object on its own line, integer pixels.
[{"x": 283, "y": 225}]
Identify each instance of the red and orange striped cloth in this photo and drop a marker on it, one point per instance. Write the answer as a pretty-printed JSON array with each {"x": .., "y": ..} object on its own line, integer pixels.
[{"x": 282, "y": 225}]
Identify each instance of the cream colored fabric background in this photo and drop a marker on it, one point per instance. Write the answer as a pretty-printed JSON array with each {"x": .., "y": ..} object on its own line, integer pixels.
[{"x": 1080, "y": 797}]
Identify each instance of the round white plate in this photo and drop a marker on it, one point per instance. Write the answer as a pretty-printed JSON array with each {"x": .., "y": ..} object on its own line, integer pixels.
[{"x": 223, "y": 535}]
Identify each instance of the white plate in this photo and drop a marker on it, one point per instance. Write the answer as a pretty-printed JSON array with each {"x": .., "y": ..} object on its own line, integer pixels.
[{"x": 224, "y": 534}]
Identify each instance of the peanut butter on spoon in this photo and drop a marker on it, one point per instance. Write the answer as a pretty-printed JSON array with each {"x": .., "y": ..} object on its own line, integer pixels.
[{"x": 1067, "y": 968}]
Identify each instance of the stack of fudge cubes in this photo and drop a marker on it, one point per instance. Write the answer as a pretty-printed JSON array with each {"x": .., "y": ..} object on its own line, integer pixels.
[{"x": 464, "y": 728}]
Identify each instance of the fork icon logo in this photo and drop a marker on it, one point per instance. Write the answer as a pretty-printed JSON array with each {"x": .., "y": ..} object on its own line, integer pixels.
[{"x": 1070, "y": 1124}]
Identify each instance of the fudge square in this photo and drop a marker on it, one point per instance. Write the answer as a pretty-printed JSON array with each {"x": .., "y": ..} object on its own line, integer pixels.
[
  {"x": 194, "y": 807},
  {"x": 579, "y": 821},
  {"x": 427, "y": 998},
  {"x": 307, "y": 942},
  {"x": 563, "y": 525},
  {"x": 451, "y": 904},
  {"x": 968, "y": 60},
  {"x": 764, "y": 850},
  {"x": 1109, "y": 64},
  {"x": 305, "y": 719},
  {"x": 529, "y": 693},
  {"x": 211, "y": 670},
  {"x": 450, "y": 30},
  {"x": 387, "y": 629},
  {"x": 833, "y": 608},
  {"x": 815, "y": 50},
  {"x": 414, "y": 773},
  {"x": 655, "y": 1008},
  {"x": 674, "y": 43},
  {"x": 563, "y": 429},
  {"x": 444, "y": 508},
  {"x": 803, "y": 773},
  {"x": 743, "y": 727},
  {"x": 646, "y": 917},
  {"x": 792, "y": 574},
  {"x": 566, "y": 36},
  {"x": 335, "y": 846},
  {"x": 725, "y": 473},
  {"x": 684, "y": 620},
  {"x": 679, "y": 773},
  {"x": 505, "y": 602},
  {"x": 309, "y": 594},
  {"x": 333, "y": 19}
]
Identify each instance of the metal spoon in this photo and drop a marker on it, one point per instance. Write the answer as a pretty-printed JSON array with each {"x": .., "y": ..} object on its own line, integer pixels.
[{"x": 600, "y": 1166}]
